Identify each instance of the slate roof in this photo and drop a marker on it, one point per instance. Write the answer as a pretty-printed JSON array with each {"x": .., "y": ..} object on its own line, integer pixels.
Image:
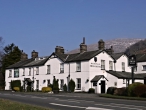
[
  {"x": 117, "y": 55},
  {"x": 126, "y": 75},
  {"x": 20, "y": 63},
  {"x": 97, "y": 78},
  {"x": 141, "y": 57}
]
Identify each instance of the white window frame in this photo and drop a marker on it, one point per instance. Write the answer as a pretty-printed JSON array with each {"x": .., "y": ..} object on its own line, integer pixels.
[
  {"x": 143, "y": 67},
  {"x": 61, "y": 84},
  {"x": 37, "y": 70},
  {"x": 29, "y": 71},
  {"x": 61, "y": 67},
  {"x": 102, "y": 64},
  {"x": 23, "y": 72},
  {"x": 123, "y": 66},
  {"x": 110, "y": 65},
  {"x": 78, "y": 66},
  {"x": 10, "y": 73},
  {"x": 16, "y": 73},
  {"x": 48, "y": 69},
  {"x": 78, "y": 84}
]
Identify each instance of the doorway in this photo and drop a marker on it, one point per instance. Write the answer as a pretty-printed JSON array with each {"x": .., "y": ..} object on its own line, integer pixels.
[{"x": 102, "y": 86}]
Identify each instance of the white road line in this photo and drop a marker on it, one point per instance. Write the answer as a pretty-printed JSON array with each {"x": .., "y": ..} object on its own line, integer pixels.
[
  {"x": 127, "y": 105},
  {"x": 119, "y": 106},
  {"x": 67, "y": 100},
  {"x": 6, "y": 94},
  {"x": 94, "y": 108},
  {"x": 66, "y": 105},
  {"x": 81, "y": 100},
  {"x": 39, "y": 97}
]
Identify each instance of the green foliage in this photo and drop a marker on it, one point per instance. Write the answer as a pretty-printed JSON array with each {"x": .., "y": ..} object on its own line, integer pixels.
[
  {"x": 28, "y": 88},
  {"x": 55, "y": 84},
  {"x": 11, "y": 56},
  {"x": 140, "y": 90},
  {"x": 71, "y": 85},
  {"x": 15, "y": 83},
  {"x": 91, "y": 90},
  {"x": 16, "y": 89},
  {"x": 120, "y": 91},
  {"x": 131, "y": 88},
  {"x": 46, "y": 89},
  {"x": 111, "y": 90},
  {"x": 65, "y": 88}
]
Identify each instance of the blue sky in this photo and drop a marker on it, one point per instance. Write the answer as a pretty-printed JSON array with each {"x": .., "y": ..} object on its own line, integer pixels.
[{"x": 42, "y": 25}]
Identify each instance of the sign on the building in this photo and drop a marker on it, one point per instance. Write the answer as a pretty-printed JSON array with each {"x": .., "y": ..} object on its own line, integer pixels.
[{"x": 132, "y": 60}]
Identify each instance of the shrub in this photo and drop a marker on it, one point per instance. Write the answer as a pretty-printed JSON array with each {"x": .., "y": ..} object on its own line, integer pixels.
[
  {"x": 120, "y": 91},
  {"x": 55, "y": 85},
  {"x": 16, "y": 89},
  {"x": 46, "y": 89},
  {"x": 65, "y": 88},
  {"x": 131, "y": 88},
  {"x": 28, "y": 88},
  {"x": 21, "y": 88},
  {"x": 111, "y": 90},
  {"x": 140, "y": 90},
  {"x": 91, "y": 90},
  {"x": 71, "y": 85},
  {"x": 15, "y": 83}
]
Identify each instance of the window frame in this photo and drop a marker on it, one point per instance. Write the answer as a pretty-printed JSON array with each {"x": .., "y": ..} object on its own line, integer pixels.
[
  {"x": 61, "y": 67},
  {"x": 143, "y": 66},
  {"x": 16, "y": 73},
  {"x": 110, "y": 65},
  {"x": 78, "y": 66},
  {"x": 123, "y": 66},
  {"x": 78, "y": 84},
  {"x": 10, "y": 73},
  {"x": 102, "y": 64}
]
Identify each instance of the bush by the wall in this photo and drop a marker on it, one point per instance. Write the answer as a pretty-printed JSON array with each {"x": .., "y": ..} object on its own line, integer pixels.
[
  {"x": 15, "y": 83},
  {"x": 91, "y": 90},
  {"x": 140, "y": 90},
  {"x": 111, "y": 90},
  {"x": 65, "y": 88},
  {"x": 71, "y": 85},
  {"x": 120, "y": 91},
  {"x": 16, "y": 89},
  {"x": 28, "y": 88},
  {"x": 46, "y": 89},
  {"x": 131, "y": 88}
]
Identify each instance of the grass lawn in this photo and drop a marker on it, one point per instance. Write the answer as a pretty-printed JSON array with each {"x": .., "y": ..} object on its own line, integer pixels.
[
  {"x": 12, "y": 105},
  {"x": 122, "y": 97}
]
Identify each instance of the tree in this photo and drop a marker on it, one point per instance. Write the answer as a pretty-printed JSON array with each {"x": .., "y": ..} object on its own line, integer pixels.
[
  {"x": 12, "y": 54},
  {"x": 71, "y": 85}
]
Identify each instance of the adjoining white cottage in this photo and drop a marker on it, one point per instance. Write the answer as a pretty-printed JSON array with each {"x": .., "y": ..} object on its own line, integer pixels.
[{"x": 98, "y": 69}]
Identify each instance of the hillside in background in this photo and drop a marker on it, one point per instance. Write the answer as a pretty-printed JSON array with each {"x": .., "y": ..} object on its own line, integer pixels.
[
  {"x": 119, "y": 45},
  {"x": 137, "y": 48}
]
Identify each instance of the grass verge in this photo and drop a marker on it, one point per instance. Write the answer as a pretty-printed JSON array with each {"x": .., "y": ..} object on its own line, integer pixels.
[
  {"x": 12, "y": 105},
  {"x": 122, "y": 97}
]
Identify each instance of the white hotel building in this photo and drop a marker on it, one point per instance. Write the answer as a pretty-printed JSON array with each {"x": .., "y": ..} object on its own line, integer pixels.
[{"x": 98, "y": 69}]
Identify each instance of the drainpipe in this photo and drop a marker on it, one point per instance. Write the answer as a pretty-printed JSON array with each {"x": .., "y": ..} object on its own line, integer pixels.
[
  {"x": 115, "y": 65},
  {"x": 68, "y": 78}
]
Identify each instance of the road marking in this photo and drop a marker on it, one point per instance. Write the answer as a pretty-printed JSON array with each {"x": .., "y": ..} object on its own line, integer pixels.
[
  {"x": 81, "y": 100},
  {"x": 67, "y": 100},
  {"x": 66, "y": 105},
  {"x": 119, "y": 106},
  {"x": 6, "y": 94},
  {"x": 127, "y": 105},
  {"x": 38, "y": 97},
  {"x": 94, "y": 108}
]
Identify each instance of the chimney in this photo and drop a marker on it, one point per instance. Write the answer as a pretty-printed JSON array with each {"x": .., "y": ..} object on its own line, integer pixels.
[
  {"x": 24, "y": 56},
  {"x": 83, "y": 46},
  {"x": 59, "y": 50},
  {"x": 101, "y": 44},
  {"x": 110, "y": 50},
  {"x": 34, "y": 54}
]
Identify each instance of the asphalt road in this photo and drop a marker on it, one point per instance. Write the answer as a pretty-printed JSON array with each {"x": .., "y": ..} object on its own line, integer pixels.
[{"x": 74, "y": 101}]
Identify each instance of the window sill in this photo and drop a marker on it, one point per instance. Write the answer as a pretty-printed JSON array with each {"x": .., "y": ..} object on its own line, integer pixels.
[
  {"x": 47, "y": 73},
  {"x": 61, "y": 72},
  {"x": 10, "y": 77},
  {"x": 102, "y": 69},
  {"x": 16, "y": 77},
  {"x": 78, "y": 89},
  {"x": 23, "y": 75},
  {"x": 37, "y": 74},
  {"x": 78, "y": 71}
]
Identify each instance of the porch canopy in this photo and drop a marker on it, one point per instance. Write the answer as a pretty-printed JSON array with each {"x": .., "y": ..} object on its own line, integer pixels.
[
  {"x": 127, "y": 75},
  {"x": 97, "y": 78}
]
